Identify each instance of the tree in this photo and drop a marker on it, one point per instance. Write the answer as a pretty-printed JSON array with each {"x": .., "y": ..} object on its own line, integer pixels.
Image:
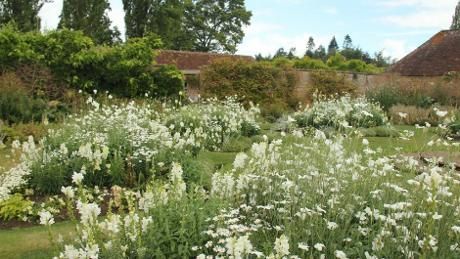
[
  {"x": 456, "y": 18},
  {"x": 333, "y": 47},
  {"x": 23, "y": 13},
  {"x": 136, "y": 17},
  {"x": 320, "y": 53},
  {"x": 280, "y": 53},
  {"x": 310, "y": 47},
  {"x": 89, "y": 16},
  {"x": 347, "y": 42},
  {"x": 291, "y": 54},
  {"x": 162, "y": 17},
  {"x": 216, "y": 25}
]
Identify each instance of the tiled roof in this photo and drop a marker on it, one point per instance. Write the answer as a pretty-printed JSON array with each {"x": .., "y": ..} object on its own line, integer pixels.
[
  {"x": 187, "y": 60},
  {"x": 436, "y": 57}
]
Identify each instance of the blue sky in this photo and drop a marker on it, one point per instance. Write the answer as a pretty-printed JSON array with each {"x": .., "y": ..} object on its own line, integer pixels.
[{"x": 395, "y": 26}]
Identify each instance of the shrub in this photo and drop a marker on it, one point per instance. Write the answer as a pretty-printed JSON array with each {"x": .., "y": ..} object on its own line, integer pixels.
[
  {"x": 124, "y": 69},
  {"x": 342, "y": 113},
  {"x": 331, "y": 83},
  {"x": 309, "y": 63},
  {"x": 214, "y": 122},
  {"x": 17, "y": 103},
  {"x": 15, "y": 207},
  {"x": 337, "y": 62},
  {"x": 15, "y": 48},
  {"x": 169, "y": 81},
  {"x": 251, "y": 82}
]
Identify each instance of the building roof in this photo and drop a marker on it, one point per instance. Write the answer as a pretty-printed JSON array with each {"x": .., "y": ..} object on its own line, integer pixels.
[
  {"x": 187, "y": 60},
  {"x": 436, "y": 57}
]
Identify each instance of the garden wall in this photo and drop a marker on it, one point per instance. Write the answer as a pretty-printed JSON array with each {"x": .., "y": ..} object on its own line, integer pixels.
[
  {"x": 362, "y": 81},
  {"x": 367, "y": 81}
]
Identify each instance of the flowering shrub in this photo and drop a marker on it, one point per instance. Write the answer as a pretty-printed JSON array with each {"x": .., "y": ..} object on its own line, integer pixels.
[
  {"x": 342, "y": 113},
  {"x": 126, "y": 144},
  {"x": 214, "y": 122}
]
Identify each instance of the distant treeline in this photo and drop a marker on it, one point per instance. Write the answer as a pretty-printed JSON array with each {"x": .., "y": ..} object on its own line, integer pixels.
[{"x": 346, "y": 58}]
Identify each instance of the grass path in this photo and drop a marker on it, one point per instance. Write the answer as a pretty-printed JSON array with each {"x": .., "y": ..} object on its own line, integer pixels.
[{"x": 31, "y": 242}]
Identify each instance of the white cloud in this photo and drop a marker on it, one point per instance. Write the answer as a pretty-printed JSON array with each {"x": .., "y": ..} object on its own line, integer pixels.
[
  {"x": 267, "y": 38},
  {"x": 423, "y": 14},
  {"x": 395, "y": 48},
  {"x": 419, "y": 3}
]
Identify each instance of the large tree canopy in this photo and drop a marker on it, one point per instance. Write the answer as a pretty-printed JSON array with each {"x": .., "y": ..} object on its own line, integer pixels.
[
  {"x": 202, "y": 25},
  {"x": 91, "y": 17},
  {"x": 24, "y": 13},
  {"x": 216, "y": 25},
  {"x": 162, "y": 17}
]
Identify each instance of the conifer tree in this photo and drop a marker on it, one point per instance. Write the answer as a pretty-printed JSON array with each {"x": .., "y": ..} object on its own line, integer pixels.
[
  {"x": 347, "y": 42},
  {"x": 456, "y": 18},
  {"x": 23, "y": 13},
  {"x": 310, "y": 48},
  {"x": 333, "y": 47},
  {"x": 91, "y": 17}
]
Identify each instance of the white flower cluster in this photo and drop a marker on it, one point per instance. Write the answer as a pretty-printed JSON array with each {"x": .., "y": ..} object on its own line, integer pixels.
[
  {"x": 212, "y": 123},
  {"x": 116, "y": 139},
  {"x": 342, "y": 113}
]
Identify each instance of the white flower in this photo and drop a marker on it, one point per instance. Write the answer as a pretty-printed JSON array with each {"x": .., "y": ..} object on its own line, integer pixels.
[
  {"x": 365, "y": 142},
  {"x": 304, "y": 246},
  {"x": 77, "y": 178},
  {"x": 440, "y": 114},
  {"x": 319, "y": 246},
  {"x": 403, "y": 115},
  {"x": 340, "y": 254},
  {"x": 238, "y": 247},
  {"x": 240, "y": 160},
  {"x": 88, "y": 212},
  {"x": 282, "y": 246},
  {"x": 332, "y": 225},
  {"x": 437, "y": 216},
  {"x": 46, "y": 218},
  {"x": 68, "y": 191}
]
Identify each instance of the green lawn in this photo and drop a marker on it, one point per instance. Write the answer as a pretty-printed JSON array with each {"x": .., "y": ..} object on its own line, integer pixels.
[{"x": 33, "y": 242}]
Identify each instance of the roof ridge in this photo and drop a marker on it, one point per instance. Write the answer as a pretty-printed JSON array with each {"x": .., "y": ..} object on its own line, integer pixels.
[{"x": 203, "y": 53}]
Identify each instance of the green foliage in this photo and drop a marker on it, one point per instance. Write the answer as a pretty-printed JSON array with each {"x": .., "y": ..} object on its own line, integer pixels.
[
  {"x": 169, "y": 81},
  {"x": 216, "y": 25},
  {"x": 201, "y": 25},
  {"x": 252, "y": 82},
  {"x": 23, "y": 13},
  {"x": 331, "y": 83},
  {"x": 310, "y": 63},
  {"x": 15, "y": 207},
  {"x": 163, "y": 18},
  {"x": 17, "y": 105},
  {"x": 124, "y": 69},
  {"x": 456, "y": 18},
  {"x": 91, "y": 17},
  {"x": 15, "y": 48},
  {"x": 389, "y": 96}
]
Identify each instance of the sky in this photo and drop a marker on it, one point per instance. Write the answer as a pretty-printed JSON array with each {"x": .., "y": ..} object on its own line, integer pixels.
[{"x": 395, "y": 26}]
